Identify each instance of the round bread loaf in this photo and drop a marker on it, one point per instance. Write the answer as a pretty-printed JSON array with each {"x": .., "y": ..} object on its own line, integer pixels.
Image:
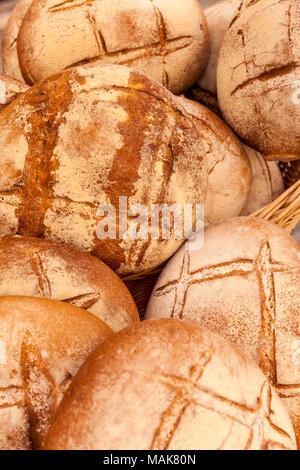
[
  {"x": 166, "y": 39},
  {"x": 10, "y": 60},
  {"x": 219, "y": 16},
  {"x": 267, "y": 182},
  {"x": 42, "y": 345},
  {"x": 43, "y": 268},
  {"x": 258, "y": 77},
  {"x": 229, "y": 171},
  {"x": 244, "y": 284},
  {"x": 10, "y": 89},
  {"x": 72, "y": 145},
  {"x": 168, "y": 384}
]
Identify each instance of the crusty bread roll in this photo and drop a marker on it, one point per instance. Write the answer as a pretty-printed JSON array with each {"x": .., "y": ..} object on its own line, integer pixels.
[
  {"x": 244, "y": 284},
  {"x": 219, "y": 16},
  {"x": 86, "y": 137},
  {"x": 258, "y": 77},
  {"x": 43, "y": 268},
  {"x": 42, "y": 344},
  {"x": 267, "y": 182},
  {"x": 10, "y": 60},
  {"x": 229, "y": 171},
  {"x": 168, "y": 384},
  {"x": 166, "y": 39},
  {"x": 10, "y": 89}
]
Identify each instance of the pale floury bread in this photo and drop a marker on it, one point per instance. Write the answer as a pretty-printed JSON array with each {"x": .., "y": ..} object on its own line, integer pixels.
[
  {"x": 43, "y": 268},
  {"x": 168, "y": 384},
  {"x": 258, "y": 77},
  {"x": 166, "y": 39},
  {"x": 219, "y": 16},
  {"x": 86, "y": 137},
  {"x": 10, "y": 89},
  {"x": 244, "y": 283},
  {"x": 10, "y": 60},
  {"x": 42, "y": 345},
  {"x": 267, "y": 182},
  {"x": 229, "y": 171}
]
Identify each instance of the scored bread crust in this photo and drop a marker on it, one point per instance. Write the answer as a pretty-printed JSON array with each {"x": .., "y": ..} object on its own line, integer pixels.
[
  {"x": 166, "y": 39},
  {"x": 258, "y": 77},
  {"x": 85, "y": 137},
  {"x": 42, "y": 345},
  {"x": 229, "y": 171},
  {"x": 43, "y": 268},
  {"x": 9, "y": 53},
  {"x": 244, "y": 283},
  {"x": 168, "y": 384}
]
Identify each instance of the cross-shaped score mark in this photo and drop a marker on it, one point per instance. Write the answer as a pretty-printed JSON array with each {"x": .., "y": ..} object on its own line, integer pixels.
[
  {"x": 264, "y": 268},
  {"x": 163, "y": 47},
  {"x": 262, "y": 431}
]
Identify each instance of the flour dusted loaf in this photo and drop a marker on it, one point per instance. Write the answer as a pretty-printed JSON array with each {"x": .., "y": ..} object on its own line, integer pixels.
[
  {"x": 43, "y": 268},
  {"x": 167, "y": 384},
  {"x": 42, "y": 345},
  {"x": 258, "y": 77},
  {"x": 10, "y": 60},
  {"x": 10, "y": 89},
  {"x": 86, "y": 137},
  {"x": 219, "y": 16},
  {"x": 229, "y": 171},
  {"x": 166, "y": 39},
  {"x": 245, "y": 284},
  {"x": 267, "y": 182}
]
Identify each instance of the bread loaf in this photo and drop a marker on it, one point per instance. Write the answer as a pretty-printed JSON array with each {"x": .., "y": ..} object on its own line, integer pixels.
[
  {"x": 10, "y": 60},
  {"x": 86, "y": 137},
  {"x": 267, "y": 182},
  {"x": 229, "y": 171},
  {"x": 10, "y": 89},
  {"x": 219, "y": 16},
  {"x": 42, "y": 344},
  {"x": 168, "y": 384},
  {"x": 44, "y": 268},
  {"x": 244, "y": 284},
  {"x": 166, "y": 39},
  {"x": 258, "y": 77}
]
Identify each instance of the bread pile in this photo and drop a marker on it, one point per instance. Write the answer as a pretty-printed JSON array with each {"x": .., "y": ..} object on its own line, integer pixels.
[{"x": 125, "y": 128}]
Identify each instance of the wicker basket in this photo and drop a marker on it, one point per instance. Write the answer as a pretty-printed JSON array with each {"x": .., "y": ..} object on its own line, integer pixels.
[{"x": 284, "y": 211}]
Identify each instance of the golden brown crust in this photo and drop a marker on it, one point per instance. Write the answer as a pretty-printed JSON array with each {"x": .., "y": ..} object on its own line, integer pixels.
[
  {"x": 229, "y": 171},
  {"x": 244, "y": 284},
  {"x": 258, "y": 77},
  {"x": 10, "y": 89},
  {"x": 42, "y": 344},
  {"x": 10, "y": 60},
  {"x": 44, "y": 268},
  {"x": 81, "y": 139},
  {"x": 165, "y": 39},
  {"x": 168, "y": 384}
]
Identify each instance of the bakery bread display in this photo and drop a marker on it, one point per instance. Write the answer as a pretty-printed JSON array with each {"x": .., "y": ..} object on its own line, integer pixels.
[
  {"x": 10, "y": 60},
  {"x": 75, "y": 144},
  {"x": 168, "y": 384},
  {"x": 267, "y": 182},
  {"x": 166, "y": 39},
  {"x": 219, "y": 16},
  {"x": 10, "y": 89},
  {"x": 42, "y": 345},
  {"x": 244, "y": 283},
  {"x": 43, "y": 268},
  {"x": 258, "y": 77},
  {"x": 229, "y": 171}
]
